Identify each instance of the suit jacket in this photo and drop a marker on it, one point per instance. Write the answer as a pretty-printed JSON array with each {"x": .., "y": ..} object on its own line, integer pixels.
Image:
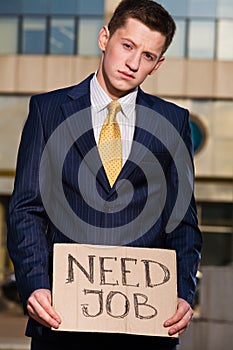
[{"x": 32, "y": 233}]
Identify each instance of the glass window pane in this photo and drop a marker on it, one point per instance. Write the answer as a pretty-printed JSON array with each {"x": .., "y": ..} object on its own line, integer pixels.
[
  {"x": 216, "y": 249},
  {"x": 217, "y": 214},
  {"x": 8, "y": 35},
  {"x": 201, "y": 39},
  {"x": 202, "y": 8},
  {"x": 225, "y": 40},
  {"x": 92, "y": 27},
  {"x": 225, "y": 8},
  {"x": 38, "y": 6},
  {"x": 10, "y": 6},
  {"x": 176, "y": 8},
  {"x": 90, "y": 7},
  {"x": 62, "y": 36},
  {"x": 177, "y": 47},
  {"x": 63, "y": 7},
  {"x": 34, "y": 35}
]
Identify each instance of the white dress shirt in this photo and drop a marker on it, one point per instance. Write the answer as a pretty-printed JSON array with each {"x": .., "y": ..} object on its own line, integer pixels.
[{"x": 125, "y": 118}]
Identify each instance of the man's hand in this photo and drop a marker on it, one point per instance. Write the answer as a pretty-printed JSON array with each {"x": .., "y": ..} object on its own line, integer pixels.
[
  {"x": 180, "y": 321},
  {"x": 40, "y": 308}
]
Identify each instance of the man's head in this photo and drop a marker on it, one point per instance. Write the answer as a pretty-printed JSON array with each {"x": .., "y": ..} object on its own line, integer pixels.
[
  {"x": 132, "y": 45},
  {"x": 150, "y": 13}
]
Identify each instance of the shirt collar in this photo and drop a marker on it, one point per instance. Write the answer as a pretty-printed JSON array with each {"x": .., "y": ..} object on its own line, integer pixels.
[{"x": 100, "y": 99}]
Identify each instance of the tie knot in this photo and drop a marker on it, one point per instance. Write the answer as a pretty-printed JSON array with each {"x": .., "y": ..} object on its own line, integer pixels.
[{"x": 113, "y": 108}]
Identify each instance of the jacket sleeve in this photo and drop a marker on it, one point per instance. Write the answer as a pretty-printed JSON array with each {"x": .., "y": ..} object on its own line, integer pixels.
[
  {"x": 27, "y": 221},
  {"x": 185, "y": 238}
]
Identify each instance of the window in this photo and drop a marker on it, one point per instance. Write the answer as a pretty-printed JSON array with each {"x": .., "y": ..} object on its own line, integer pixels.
[
  {"x": 202, "y": 8},
  {"x": 216, "y": 249},
  {"x": 209, "y": 27},
  {"x": 225, "y": 9},
  {"x": 225, "y": 40},
  {"x": 90, "y": 7},
  {"x": 10, "y": 6},
  {"x": 177, "y": 47},
  {"x": 37, "y": 34},
  {"x": 34, "y": 38},
  {"x": 198, "y": 131},
  {"x": 62, "y": 36},
  {"x": 176, "y": 8},
  {"x": 8, "y": 35},
  {"x": 31, "y": 7},
  {"x": 62, "y": 7},
  {"x": 50, "y": 26},
  {"x": 217, "y": 214},
  {"x": 216, "y": 224},
  {"x": 201, "y": 39},
  {"x": 92, "y": 27},
  {"x": 52, "y": 7}
]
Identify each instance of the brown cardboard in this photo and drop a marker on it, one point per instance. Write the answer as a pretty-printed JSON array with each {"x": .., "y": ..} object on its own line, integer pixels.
[{"x": 114, "y": 289}]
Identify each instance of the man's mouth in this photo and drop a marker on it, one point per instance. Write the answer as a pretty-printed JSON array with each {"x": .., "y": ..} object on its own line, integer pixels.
[{"x": 126, "y": 75}]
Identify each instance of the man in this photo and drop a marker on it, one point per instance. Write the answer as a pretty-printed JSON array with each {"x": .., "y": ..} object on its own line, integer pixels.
[{"x": 133, "y": 46}]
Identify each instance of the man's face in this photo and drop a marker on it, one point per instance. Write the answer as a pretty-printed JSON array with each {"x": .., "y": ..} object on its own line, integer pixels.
[{"x": 131, "y": 54}]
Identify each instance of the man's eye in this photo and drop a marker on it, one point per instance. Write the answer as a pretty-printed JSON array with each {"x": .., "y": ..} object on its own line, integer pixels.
[
  {"x": 127, "y": 46},
  {"x": 149, "y": 57}
]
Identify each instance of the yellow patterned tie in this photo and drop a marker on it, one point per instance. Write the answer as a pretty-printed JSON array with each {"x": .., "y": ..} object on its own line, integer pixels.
[{"x": 110, "y": 143}]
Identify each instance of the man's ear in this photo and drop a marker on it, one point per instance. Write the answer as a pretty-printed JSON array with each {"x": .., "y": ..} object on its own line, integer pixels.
[
  {"x": 103, "y": 38},
  {"x": 158, "y": 64}
]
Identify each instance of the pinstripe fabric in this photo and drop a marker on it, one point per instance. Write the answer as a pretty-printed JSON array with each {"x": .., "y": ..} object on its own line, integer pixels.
[{"x": 31, "y": 234}]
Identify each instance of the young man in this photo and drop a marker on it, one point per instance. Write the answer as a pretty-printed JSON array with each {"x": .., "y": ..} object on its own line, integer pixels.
[{"x": 133, "y": 46}]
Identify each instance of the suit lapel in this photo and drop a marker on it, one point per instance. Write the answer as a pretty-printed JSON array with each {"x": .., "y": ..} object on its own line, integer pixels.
[
  {"x": 77, "y": 113},
  {"x": 142, "y": 139}
]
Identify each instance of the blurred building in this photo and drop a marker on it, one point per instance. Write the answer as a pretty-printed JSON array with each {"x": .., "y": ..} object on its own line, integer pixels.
[{"x": 48, "y": 44}]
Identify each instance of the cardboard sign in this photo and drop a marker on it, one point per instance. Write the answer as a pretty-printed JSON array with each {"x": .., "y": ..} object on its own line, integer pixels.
[{"x": 114, "y": 289}]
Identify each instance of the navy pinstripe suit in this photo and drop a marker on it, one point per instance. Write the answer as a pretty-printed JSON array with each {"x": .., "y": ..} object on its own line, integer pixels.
[{"x": 31, "y": 234}]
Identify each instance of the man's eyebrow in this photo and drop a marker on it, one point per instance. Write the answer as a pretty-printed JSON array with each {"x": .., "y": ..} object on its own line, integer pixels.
[
  {"x": 132, "y": 42},
  {"x": 128, "y": 39}
]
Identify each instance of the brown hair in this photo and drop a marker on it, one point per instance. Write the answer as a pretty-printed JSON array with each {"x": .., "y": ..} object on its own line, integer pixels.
[{"x": 150, "y": 13}]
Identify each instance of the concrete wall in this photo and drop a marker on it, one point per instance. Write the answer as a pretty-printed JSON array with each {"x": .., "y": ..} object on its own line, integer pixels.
[{"x": 22, "y": 74}]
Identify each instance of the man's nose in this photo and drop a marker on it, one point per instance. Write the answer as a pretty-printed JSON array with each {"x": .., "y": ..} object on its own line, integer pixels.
[{"x": 133, "y": 62}]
